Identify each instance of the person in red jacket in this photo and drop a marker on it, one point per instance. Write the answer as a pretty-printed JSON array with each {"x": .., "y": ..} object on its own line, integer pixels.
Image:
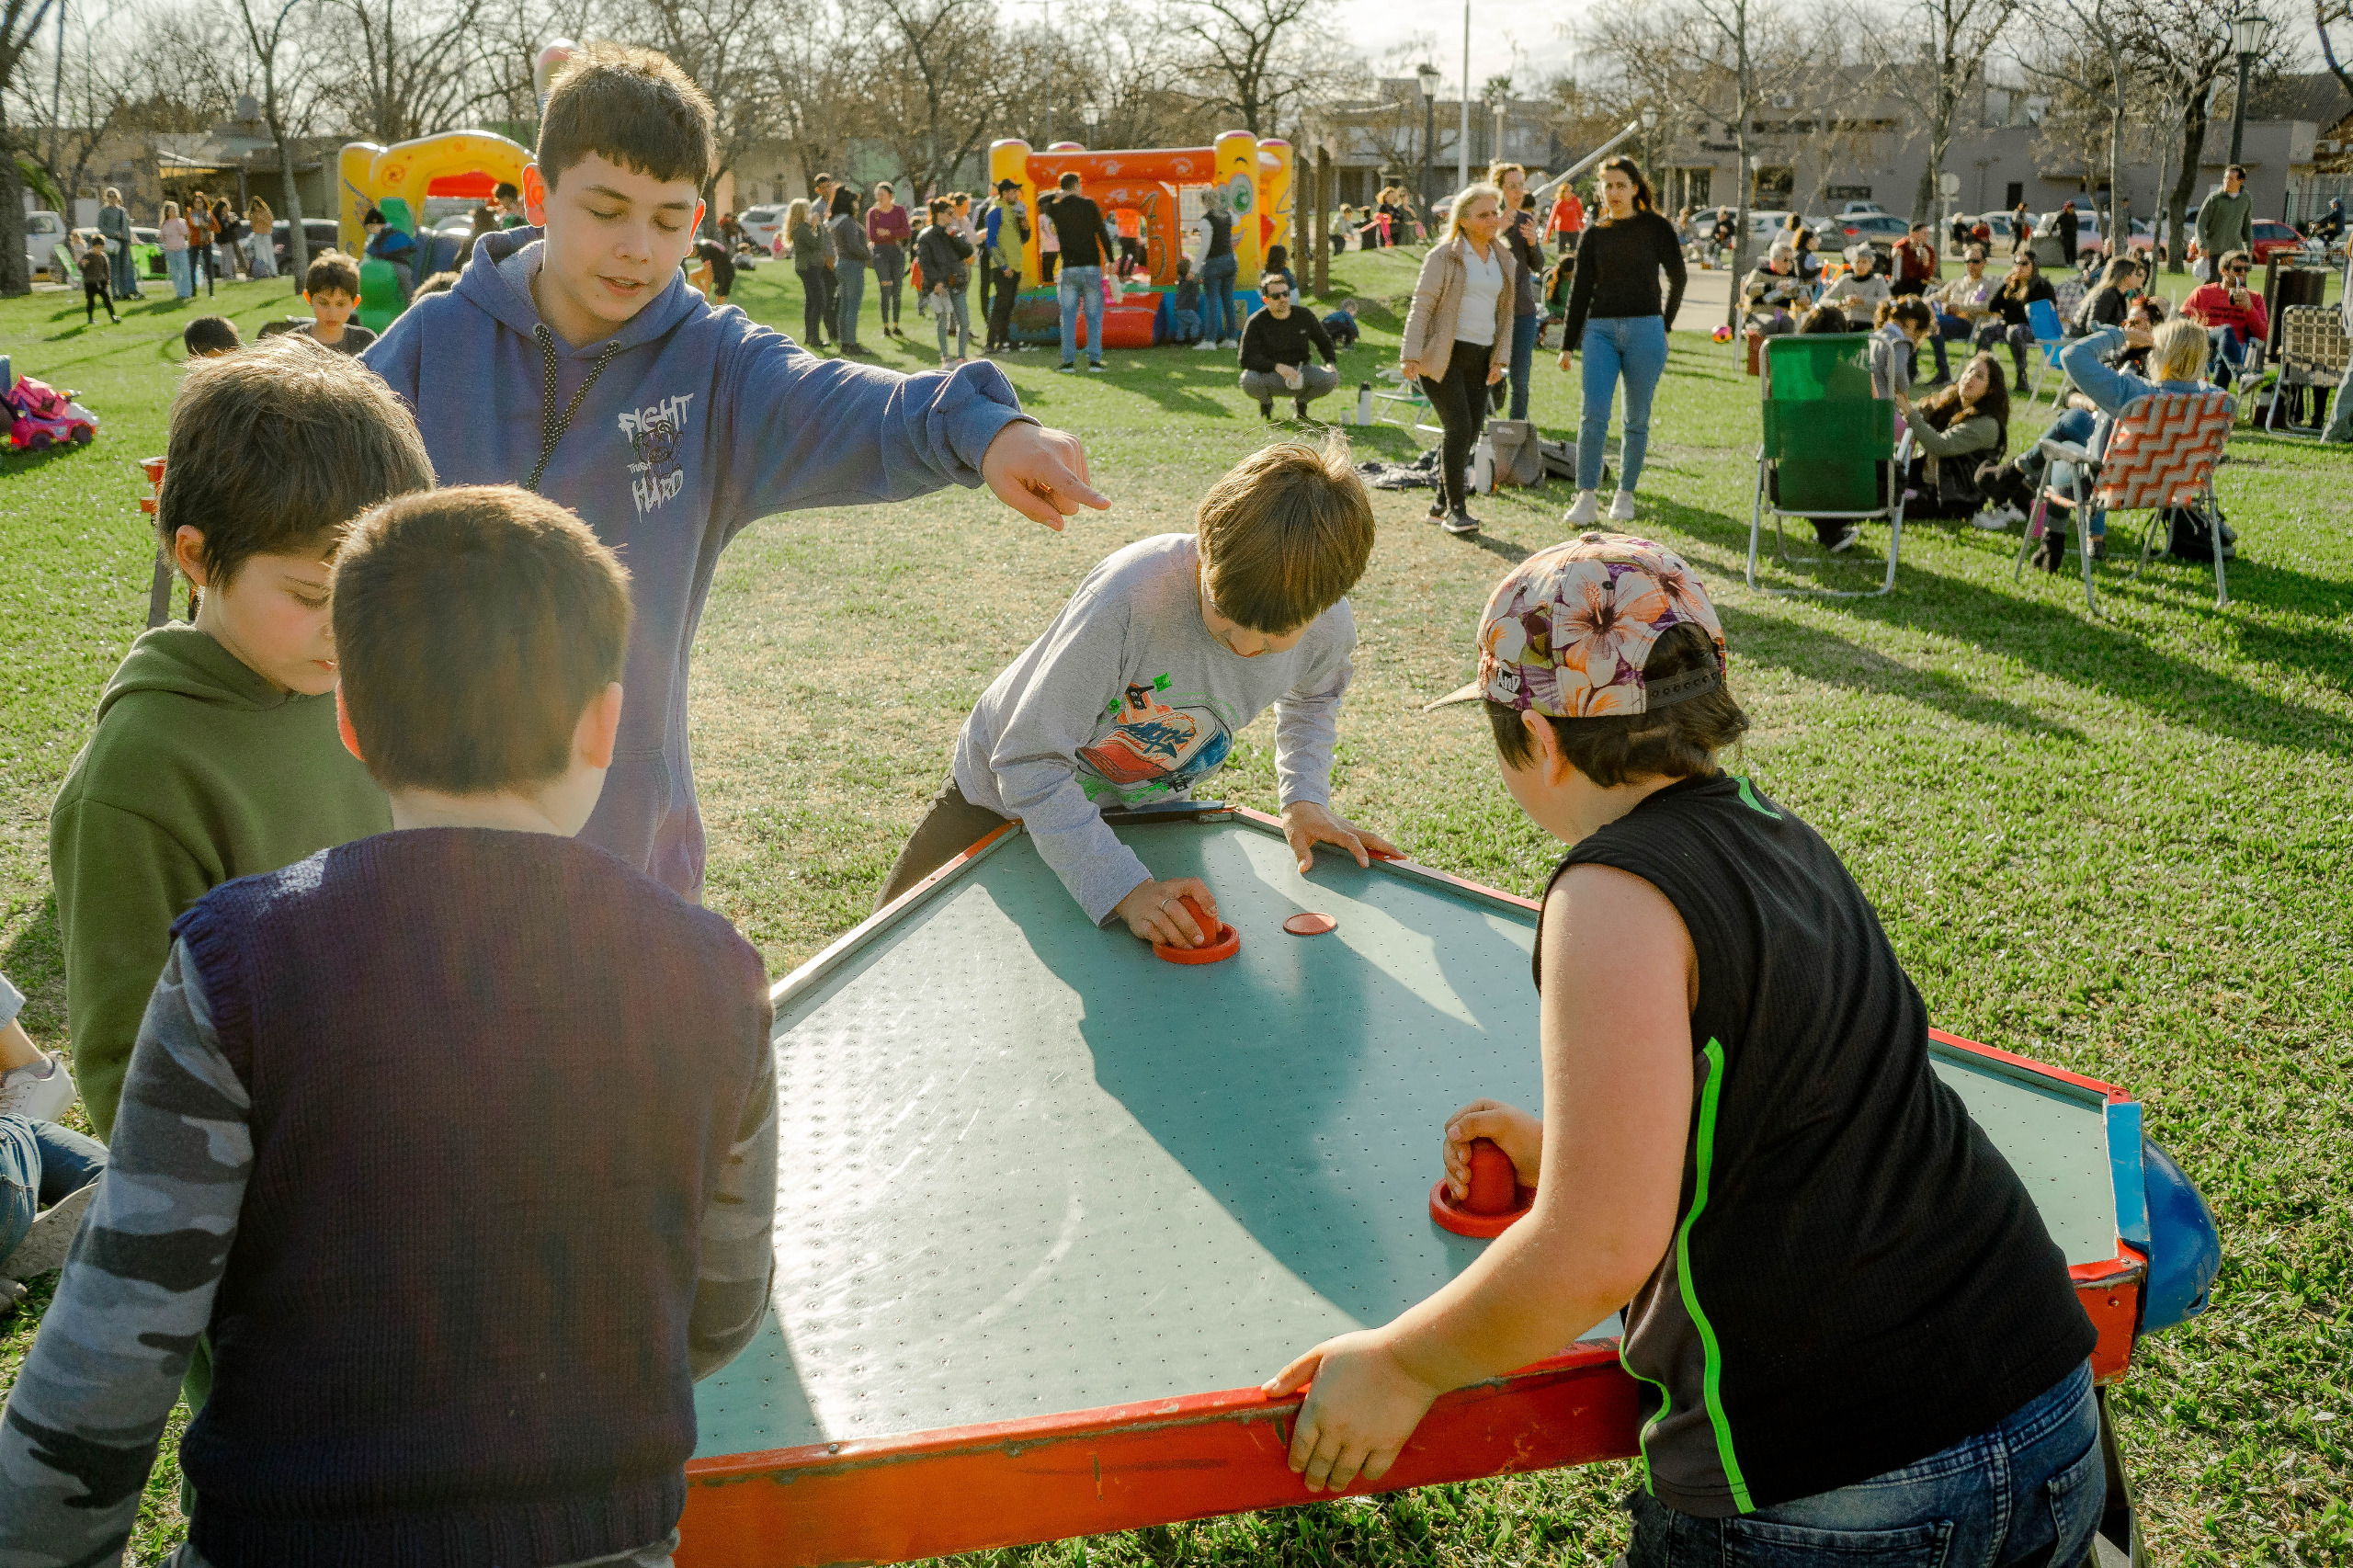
[
  {"x": 1567, "y": 221},
  {"x": 1916, "y": 262},
  {"x": 2231, "y": 313}
]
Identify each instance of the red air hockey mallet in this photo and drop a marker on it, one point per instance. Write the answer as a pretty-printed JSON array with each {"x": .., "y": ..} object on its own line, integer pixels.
[
  {"x": 1223, "y": 944},
  {"x": 1495, "y": 1200}
]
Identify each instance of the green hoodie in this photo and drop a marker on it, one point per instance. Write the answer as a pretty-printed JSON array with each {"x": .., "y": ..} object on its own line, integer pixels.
[{"x": 198, "y": 770}]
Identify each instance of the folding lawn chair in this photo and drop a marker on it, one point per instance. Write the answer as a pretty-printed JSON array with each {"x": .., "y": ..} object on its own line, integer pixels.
[
  {"x": 1409, "y": 403},
  {"x": 1828, "y": 439},
  {"x": 2314, "y": 350},
  {"x": 2050, "y": 336},
  {"x": 2160, "y": 454}
]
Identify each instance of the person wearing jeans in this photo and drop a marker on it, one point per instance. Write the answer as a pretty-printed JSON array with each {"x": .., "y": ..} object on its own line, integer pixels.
[
  {"x": 1458, "y": 338},
  {"x": 114, "y": 223},
  {"x": 943, "y": 252},
  {"x": 1219, "y": 270},
  {"x": 1616, "y": 319},
  {"x": 1078, "y": 228},
  {"x": 1526, "y": 249},
  {"x": 171, "y": 236}
]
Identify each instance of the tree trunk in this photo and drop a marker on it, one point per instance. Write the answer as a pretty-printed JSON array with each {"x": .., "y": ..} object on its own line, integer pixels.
[
  {"x": 15, "y": 279},
  {"x": 298, "y": 239},
  {"x": 2193, "y": 147},
  {"x": 1322, "y": 213},
  {"x": 2115, "y": 245}
]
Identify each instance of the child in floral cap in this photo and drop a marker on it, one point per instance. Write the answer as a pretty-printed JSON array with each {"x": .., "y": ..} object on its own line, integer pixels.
[{"x": 1855, "y": 1340}]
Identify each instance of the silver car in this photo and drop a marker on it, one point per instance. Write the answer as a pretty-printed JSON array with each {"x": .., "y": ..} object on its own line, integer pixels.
[{"x": 761, "y": 224}]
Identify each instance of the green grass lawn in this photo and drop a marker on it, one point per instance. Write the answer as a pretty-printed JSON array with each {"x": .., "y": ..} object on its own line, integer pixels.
[{"x": 2116, "y": 843}]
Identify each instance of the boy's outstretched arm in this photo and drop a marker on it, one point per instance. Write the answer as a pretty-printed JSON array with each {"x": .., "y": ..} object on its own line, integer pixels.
[
  {"x": 809, "y": 432},
  {"x": 1307, "y": 729},
  {"x": 89, "y": 1405},
  {"x": 1618, "y": 1085}
]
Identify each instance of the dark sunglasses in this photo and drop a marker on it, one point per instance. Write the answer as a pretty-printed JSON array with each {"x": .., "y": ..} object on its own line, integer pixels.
[{"x": 1275, "y": 294}]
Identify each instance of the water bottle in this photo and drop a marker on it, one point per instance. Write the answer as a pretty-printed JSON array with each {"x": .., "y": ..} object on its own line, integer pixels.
[
  {"x": 1482, "y": 465},
  {"x": 1364, "y": 403}
]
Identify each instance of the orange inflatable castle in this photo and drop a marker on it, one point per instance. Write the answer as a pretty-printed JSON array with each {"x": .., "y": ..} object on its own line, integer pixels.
[{"x": 1255, "y": 175}]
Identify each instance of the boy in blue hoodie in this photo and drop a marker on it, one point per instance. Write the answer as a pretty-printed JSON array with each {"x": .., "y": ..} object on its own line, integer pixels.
[{"x": 573, "y": 359}]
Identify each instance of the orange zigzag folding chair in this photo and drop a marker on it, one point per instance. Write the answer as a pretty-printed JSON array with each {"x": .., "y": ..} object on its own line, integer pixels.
[{"x": 2160, "y": 454}]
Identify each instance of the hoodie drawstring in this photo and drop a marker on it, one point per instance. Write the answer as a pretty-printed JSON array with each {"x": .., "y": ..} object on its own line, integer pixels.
[{"x": 552, "y": 425}]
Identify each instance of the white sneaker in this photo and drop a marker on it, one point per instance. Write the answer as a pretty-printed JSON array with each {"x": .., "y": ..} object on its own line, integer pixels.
[
  {"x": 50, "y": 1237},
  {"x": 1622, "y": 506},
  {"x": 1586, "y": 510},
  {"x": 1997, "y": 519},
  {"x": 38, "y": 1092},
  {"x": 1203, "y": 345}
]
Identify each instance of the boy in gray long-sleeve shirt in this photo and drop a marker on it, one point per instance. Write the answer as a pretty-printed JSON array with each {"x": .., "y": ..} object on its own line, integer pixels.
[{"x": 1134, "y": 694}]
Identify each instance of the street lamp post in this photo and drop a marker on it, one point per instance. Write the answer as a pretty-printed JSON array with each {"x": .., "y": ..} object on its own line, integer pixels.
[
  {"x": 1650, "y": 142},
  {"x": 2246, "y": 41},
  {"x": 1426, "y": 75}
]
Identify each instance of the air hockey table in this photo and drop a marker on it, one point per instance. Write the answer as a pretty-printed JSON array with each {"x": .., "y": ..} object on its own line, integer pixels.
[{"x": 1050, "y": 1209}]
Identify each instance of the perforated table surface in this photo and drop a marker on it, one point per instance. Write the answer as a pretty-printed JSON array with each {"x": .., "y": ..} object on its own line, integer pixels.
[{"x": 1043, "y": 1196}]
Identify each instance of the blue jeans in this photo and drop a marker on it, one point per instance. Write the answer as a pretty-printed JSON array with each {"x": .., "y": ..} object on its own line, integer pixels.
[
  {"x": 126, "y": 270},
  {"x": 1081, "y": 288},
  {"x": 1187, "y": 325},
  {"x": 1635, "y": 348},
  {"x": 2226, "y": 353},
  {"x": 2029, "y": 1491},
  {"x": 1218, "y": 274},
  {"x": 1523, "y": 360},
  {"x": 177, "y": 264},
  {"x": 2076, "y": 426},
  {"x": 849, "y": 278},
  {"x": 40, "y": 1164}
]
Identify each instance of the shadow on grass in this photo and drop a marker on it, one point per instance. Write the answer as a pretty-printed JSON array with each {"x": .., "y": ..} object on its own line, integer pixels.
[
  {"x": 2047, "y": 635},
  {"x": 1822, "y": 655}
]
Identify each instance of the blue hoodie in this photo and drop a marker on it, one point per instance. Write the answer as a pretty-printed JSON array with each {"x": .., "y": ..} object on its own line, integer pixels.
[{"x": 683, "y": 426}]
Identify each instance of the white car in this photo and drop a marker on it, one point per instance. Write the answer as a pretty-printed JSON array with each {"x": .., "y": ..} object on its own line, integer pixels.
[
  {"x": 762, "y": 225},
  {"x": 44, "y": 232}
]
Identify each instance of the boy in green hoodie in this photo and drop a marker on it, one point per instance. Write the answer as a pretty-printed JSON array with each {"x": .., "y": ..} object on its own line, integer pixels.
[{"x": 215, "y": 753}]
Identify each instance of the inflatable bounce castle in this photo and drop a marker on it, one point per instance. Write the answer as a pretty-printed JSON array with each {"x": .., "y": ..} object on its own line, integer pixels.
[{"x": 1255, "y": 175}]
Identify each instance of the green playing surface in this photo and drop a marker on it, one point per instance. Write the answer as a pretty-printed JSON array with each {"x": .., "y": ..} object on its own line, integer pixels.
[{"x": 1028, "y": 1168}]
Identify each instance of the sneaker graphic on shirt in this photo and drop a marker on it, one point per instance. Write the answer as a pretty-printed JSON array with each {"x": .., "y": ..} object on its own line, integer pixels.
[{"x": 1154, "y": 749}]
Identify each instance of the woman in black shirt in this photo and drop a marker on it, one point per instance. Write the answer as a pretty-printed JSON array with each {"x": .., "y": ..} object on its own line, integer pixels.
[
  {"x": 1853, "y": 1338},
  {"x": 2022, "y": 287},
  {"x": 1615, "y": 316}
]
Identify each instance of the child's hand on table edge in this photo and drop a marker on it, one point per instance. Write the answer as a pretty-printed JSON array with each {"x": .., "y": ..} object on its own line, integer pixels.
[
  {"x": 1038, "y": 472},
  {"x": 1307, "y": 824},
  {"x": 1520, "y": 1135},
  {"x": 1358, "y": 1413}
]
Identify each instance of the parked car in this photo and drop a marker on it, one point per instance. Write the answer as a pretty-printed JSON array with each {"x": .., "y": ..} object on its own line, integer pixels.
[
  {"x": 1874, "y": 229},
  {"x": 323, "y": 234},
  {"x": 2275, "y": 238},
  {"x": 1866, "y": 207},
  {"x": 761, "y": 225},
  {"x": 44, "y": 232}
]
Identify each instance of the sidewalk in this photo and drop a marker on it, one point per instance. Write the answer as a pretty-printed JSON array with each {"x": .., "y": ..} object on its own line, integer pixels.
[{"x": 1705, "y": 295}]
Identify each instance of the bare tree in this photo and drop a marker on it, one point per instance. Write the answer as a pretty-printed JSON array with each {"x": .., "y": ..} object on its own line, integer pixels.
[
  {"x": 273, "y": 31},
  {"x": 933, "y": 93},
  {"x": 717, "y": 43},
  {"x": 1709, "y": 58},
  {"x": 1258, "y": 60},
  {"x": 2327, "y": 14},
  {"x": 20, "y": 25},
  {"x": 1927, "y": 55},
  {"x": 2183, "y": 50},
  {"x": 820, "y": 86},
  {"x": 413, "y": 66}
]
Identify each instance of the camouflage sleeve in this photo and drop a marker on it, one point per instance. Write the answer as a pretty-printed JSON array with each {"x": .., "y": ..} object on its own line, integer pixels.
[
  {"x": 88, "y": 1407},
  {"x": 738, "y": 1255}
]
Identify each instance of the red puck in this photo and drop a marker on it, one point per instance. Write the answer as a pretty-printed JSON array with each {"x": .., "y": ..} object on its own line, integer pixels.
[
  {"x": 1222, "y": 944},
  {"x": 1311, "y": 924}
]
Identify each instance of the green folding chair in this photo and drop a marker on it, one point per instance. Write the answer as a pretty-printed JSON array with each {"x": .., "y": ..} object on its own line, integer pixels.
[{"x": 1828, "y": 441}]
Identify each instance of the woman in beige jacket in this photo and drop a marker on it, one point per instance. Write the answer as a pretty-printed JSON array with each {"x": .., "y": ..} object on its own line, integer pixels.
[{"x": 1458, "y": 337}]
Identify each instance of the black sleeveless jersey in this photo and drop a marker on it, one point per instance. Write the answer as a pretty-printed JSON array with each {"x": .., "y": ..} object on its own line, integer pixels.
[{"x": 1857, "y": 1278}]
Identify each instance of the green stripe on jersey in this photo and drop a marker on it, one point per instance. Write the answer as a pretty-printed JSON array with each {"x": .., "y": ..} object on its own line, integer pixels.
[
  {"x": 1703, "y": 1155},
  {"x": 1748, "y": 798}
]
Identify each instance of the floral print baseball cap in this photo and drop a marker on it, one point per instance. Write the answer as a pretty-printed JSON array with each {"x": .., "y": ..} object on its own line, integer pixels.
[{"x": 1568, "y": 630}]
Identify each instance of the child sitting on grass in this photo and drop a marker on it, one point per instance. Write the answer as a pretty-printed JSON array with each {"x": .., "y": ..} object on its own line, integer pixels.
[
  {"x": 1828, "y": 1273},
  {"x": 576, "y": 359},
  {"x": 490, "y": 1116},
  {"x": 332, "y": 286},
  {"x": 1185, "y": 304},
  {"x": 44, "y": 1166},
  {"x": 214, "y": 752},
  {"x": 1134, "y": 693}
]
